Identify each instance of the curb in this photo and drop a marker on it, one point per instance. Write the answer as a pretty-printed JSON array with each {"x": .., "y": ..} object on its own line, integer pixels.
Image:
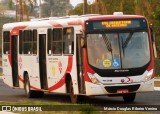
[
  {"x": 156, "y": 79},
  {"x": 157, "y": 88}
]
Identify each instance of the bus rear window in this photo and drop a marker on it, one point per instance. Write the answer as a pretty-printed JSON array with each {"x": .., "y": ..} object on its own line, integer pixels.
[{"x": 6, "y": 42}]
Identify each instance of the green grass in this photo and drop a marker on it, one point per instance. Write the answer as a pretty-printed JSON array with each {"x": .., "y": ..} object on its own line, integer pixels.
[
  {"x": 157, "y": 84},
  {"x": 83, "y": 108},
  {"x": 79, "y": 108}
]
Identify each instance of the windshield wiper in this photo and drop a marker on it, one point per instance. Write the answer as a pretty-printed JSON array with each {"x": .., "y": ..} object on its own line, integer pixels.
[
  {"x": 127, "y": 40},
  {"x": 107, "y": 42}
]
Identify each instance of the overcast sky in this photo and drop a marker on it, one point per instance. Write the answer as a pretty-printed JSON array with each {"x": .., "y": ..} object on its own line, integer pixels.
[{"x": 75, "y": 2}]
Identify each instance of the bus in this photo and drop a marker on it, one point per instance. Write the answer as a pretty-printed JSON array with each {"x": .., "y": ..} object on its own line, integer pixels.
[{"x": 86, "y": 55}]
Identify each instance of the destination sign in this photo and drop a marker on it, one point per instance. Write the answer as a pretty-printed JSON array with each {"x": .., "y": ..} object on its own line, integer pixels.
[
  {"x": 113, "y": 24},
  {"x": 116, "y": 24}
]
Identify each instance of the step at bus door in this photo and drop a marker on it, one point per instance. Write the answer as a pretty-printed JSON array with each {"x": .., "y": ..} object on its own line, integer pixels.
[
  {"x": 14, "y": 57},
  {"x": 42, "y": 61}
]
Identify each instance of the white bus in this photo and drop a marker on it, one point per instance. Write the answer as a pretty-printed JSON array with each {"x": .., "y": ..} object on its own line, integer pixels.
[{"x": 81, "y": 55}]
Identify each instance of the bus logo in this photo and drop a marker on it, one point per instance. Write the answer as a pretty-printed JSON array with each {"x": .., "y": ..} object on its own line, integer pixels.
[
  {"x": 60, "y": 66},
  {"x": 20, "y": 62}
]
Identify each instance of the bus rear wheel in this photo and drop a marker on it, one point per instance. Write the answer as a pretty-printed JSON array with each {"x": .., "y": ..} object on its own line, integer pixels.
[
  {"x": 129, "y": 97},
  {"x": 31, "y": 93}
]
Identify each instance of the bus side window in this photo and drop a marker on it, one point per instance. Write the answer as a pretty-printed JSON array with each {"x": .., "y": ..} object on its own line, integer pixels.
[
  {"x": 35, "y": 42},
  {"x": 6, "y": 42},
  {"x": 27, "y": 42},
  {"x": 57, "y": 41},
  {"x": 68, "y": 40}
]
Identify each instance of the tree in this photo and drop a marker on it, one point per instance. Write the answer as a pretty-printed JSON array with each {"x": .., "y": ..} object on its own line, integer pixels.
[
  {"x": 2, "y": 9},
  {"x": 10, "y": 5},
  {"x": 78, "y": 10},
  {"x": 24, "y": 8},
  {"x": 55, "y": 8}
]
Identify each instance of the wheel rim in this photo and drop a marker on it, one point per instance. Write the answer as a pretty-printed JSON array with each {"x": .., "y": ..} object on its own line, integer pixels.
[{"x": 27, "y": 88}]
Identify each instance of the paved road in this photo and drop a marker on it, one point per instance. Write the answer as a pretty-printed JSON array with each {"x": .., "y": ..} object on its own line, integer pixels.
[{"x": 14, "y": 95}]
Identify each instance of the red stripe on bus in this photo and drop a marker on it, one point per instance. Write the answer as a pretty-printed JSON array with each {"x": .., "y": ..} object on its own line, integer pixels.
[
  {"x": 62, "y": 81},
  {"x": 76, "y": 22},
  {"x": 21, "y": 79},
  {"x": 55, "y": 24},
  {"x": 9, "y": 58},
  {"x": 35, "y": 88},
  {"x": 15, "y": 31},
  {"x": 30, "y": 85}
]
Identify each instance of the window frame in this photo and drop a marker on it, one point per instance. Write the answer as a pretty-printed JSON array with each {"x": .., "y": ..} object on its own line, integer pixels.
[
  {"x": 70, "y": 41},
  {"x": 6, "y": 41},
  {"x": 35, "y": 36},
  {"x": 27, "y": 39}
]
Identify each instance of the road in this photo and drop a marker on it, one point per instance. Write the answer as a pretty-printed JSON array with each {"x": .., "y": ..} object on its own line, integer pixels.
[{"x": 14, "y": 95}]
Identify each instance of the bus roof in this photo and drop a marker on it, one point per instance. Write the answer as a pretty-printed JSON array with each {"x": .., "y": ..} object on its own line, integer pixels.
[{"x": 65, "y": 21}]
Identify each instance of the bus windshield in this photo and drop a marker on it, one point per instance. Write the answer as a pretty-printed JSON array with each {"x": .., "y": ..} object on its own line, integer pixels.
[{"x": 121, "y": 50}]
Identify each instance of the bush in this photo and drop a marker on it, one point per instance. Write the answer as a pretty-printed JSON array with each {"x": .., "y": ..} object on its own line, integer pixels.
[{"x": 157, "y": 67}]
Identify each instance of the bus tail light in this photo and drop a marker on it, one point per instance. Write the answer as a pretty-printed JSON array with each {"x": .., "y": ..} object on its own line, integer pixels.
[
  {"x": 149, "y": 75},
  {"x": 93, "y": 78}
]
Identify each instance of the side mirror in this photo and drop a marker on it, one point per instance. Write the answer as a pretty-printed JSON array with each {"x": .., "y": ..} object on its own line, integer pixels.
[{"x": 83, "y": 42}]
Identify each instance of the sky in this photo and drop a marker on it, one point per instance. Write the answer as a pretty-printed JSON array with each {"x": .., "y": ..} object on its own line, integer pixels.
[{"x": 75, "y": 2}]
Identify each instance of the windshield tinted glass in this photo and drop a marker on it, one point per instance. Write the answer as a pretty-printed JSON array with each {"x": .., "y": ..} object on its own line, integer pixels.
[
  {"x": 136, "y": 53},
  {"x": 107, "y": 51}
]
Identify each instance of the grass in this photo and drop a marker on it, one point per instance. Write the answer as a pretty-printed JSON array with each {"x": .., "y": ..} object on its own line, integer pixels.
[
  {"x": 156, "y": 83},
  {"x": 57, "y": 107},
  {"x": 83, "y": 108}
]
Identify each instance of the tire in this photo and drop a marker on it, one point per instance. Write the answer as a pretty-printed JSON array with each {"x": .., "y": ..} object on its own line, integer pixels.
[
  {"x": 73, "y": 98},
  {"x": 129, "y": 97},
  {"x": 31, "y": 93}
]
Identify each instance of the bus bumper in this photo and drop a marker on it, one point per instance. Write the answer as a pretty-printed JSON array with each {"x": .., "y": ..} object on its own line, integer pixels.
[{"x": 101, "y": 89}]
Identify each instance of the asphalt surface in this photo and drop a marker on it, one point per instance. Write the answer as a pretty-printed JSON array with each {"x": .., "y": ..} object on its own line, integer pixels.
[{"x": 14, "y": 95}]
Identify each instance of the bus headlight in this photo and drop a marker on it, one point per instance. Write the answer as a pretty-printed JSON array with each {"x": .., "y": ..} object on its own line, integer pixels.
[
  {"x": 149, "y": 75},
  {"x": 93, "y": 78}
]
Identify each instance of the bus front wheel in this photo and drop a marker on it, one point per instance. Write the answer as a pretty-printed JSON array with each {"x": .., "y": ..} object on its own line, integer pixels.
[
  {"x": 31, "y": 93},
  {"x": 129, "y": 97},
  {"x": 73, "y": 97}
]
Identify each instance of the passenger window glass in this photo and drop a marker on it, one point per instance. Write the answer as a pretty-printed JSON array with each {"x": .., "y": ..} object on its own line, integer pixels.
[
  {"x": 68, "y": 40},
  {"x": 27, "y": 42},
  {"x": 35, "y": 42},
  {"x": 6, "y": 42},
  {"x": 57, "y": 41},
  {"x": 20, "y": 41},
  {"x": 49, "y": 32}
]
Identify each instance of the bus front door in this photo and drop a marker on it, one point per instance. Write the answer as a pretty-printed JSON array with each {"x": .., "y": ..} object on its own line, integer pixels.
[
  {"x": 42, "y": 61},
  {"x": 81, "y": 84},
  {"x": 14, "y": 57}
]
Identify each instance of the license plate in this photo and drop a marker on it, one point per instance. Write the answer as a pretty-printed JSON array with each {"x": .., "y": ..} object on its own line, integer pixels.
[{"x": 122, "y": 91}]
